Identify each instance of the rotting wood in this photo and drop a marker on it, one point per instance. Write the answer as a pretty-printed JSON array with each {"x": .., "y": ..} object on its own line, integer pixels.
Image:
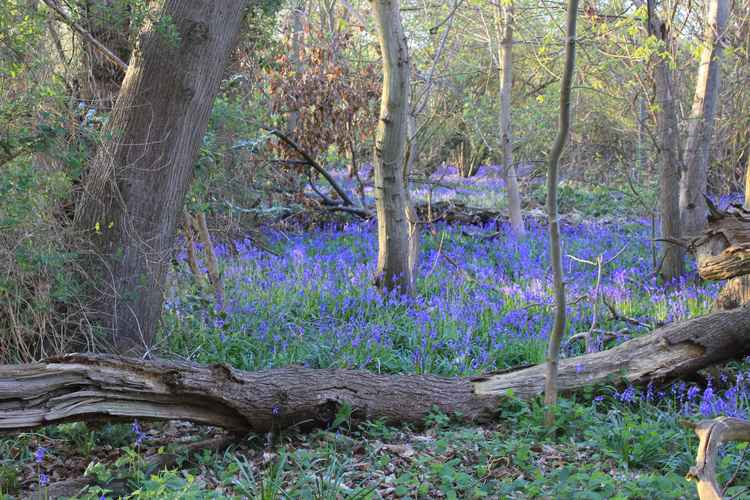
[
  {"x": 90, "y": 386},
  {"x": 722, "y": 250}
]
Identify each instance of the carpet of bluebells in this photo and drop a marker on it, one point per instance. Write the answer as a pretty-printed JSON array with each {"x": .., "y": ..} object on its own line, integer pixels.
[{"x": 484, "y": 303}]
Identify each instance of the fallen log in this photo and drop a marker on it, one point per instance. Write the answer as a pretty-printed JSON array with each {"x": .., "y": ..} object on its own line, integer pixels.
[
  {"x": 95, "y": 386},
  {"x": 712, "y": 434}
]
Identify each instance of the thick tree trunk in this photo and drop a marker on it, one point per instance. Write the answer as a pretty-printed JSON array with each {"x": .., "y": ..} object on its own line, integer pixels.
[
  {"x": 80, "y": 387},
  {"x": 669, "y": 179},
  {"x": 506, "y": 135},
  {"x": 137, "y": 182},
  {"x": 391, "y": 192},
  {"x": 694, "y": 182},
  {"x": 558, "y": 329}
]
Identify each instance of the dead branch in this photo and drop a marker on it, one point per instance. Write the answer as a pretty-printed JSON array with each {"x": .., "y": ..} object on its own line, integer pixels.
[{"x": 712, "y": 434}]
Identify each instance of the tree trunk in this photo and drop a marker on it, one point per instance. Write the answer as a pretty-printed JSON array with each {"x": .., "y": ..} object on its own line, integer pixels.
[
  {"x": 391, "y": 193},
  {"x": 506, "y": 138},
  {"x": 693, "y": 184},
  {"x": 137, "y": 182},
  {"x": 80, "y": 387},
  {"x": 558, "y": 329},
  {"x": 212, "y": 263},
  {"x": 296, "y": 36},
  {"x": 669, "y": 180},
  {"x": 640, "y": 148}
]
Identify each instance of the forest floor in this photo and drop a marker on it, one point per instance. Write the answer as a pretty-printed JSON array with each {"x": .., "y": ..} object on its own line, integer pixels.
[{"x": 484, "y": 303}]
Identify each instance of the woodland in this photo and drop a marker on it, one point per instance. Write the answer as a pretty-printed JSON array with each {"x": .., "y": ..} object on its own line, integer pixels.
[{"x": 349, "y": 249}]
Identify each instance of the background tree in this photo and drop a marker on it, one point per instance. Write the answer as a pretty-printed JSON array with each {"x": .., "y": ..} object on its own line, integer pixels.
[
  {"x": 396, "y": 232},
  {"x": 671, "y": 160},
  {"x": 693, "y": 185},
  {"x": 505, "y": 9}
]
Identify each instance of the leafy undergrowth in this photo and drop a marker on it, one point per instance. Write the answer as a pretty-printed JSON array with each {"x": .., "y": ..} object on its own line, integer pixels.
[
  {"x": 606, "y": 448},
  {"x": 484, "y": 303}
]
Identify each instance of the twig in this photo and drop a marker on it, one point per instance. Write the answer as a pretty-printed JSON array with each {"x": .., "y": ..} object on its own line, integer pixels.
[
  {"x": 619, "y": 317},
  {"x": 88, "y": 36}
]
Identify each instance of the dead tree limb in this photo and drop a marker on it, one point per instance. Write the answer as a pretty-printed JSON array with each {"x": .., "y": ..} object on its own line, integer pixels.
[
  {"x": 712, "y": 434},
  {"x": 89, "y": 387},
  {"x": 314, "y": 164},
  {"x": 723, "y": 248}
]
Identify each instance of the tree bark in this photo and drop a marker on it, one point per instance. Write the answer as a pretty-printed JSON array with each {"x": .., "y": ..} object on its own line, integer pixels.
[
  {"x": 693, "y": 184},
  {"x": 669, "y": 179},
  {"x": 506, "y": 137},
  {"x": 138, "y": 179},
  {"x": 558, "y": 329},
  {"x": 392, "y": 203},
  {"x": 89, "y": 387}
]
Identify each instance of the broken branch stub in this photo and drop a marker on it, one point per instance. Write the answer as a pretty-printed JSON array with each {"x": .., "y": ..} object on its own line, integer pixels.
[{"x": 722, "y": 250}]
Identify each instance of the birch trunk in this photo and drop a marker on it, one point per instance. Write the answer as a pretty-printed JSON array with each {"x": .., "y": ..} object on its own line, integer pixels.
[
  {"x": 693, "y": 184},
  {"x": 135, "y": 190},
  {"x": 392, "y": 203}
]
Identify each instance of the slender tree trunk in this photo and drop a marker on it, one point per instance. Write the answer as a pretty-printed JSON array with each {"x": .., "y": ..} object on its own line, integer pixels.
[
  {"x": 555, "y": 338},
  {"x": 701, "y": 128},
  {"x": 669, "y": 181},
  {"x": 137, "y": 182},
  {"x": 640, "y": 148},
  {"x": 506, "y": 138},
  {"x": 296, "y": 35},
  {"x": 391, "y": 192},
  {"x": 187, "y": 229},
  {"x": 212, "y": 263}
]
